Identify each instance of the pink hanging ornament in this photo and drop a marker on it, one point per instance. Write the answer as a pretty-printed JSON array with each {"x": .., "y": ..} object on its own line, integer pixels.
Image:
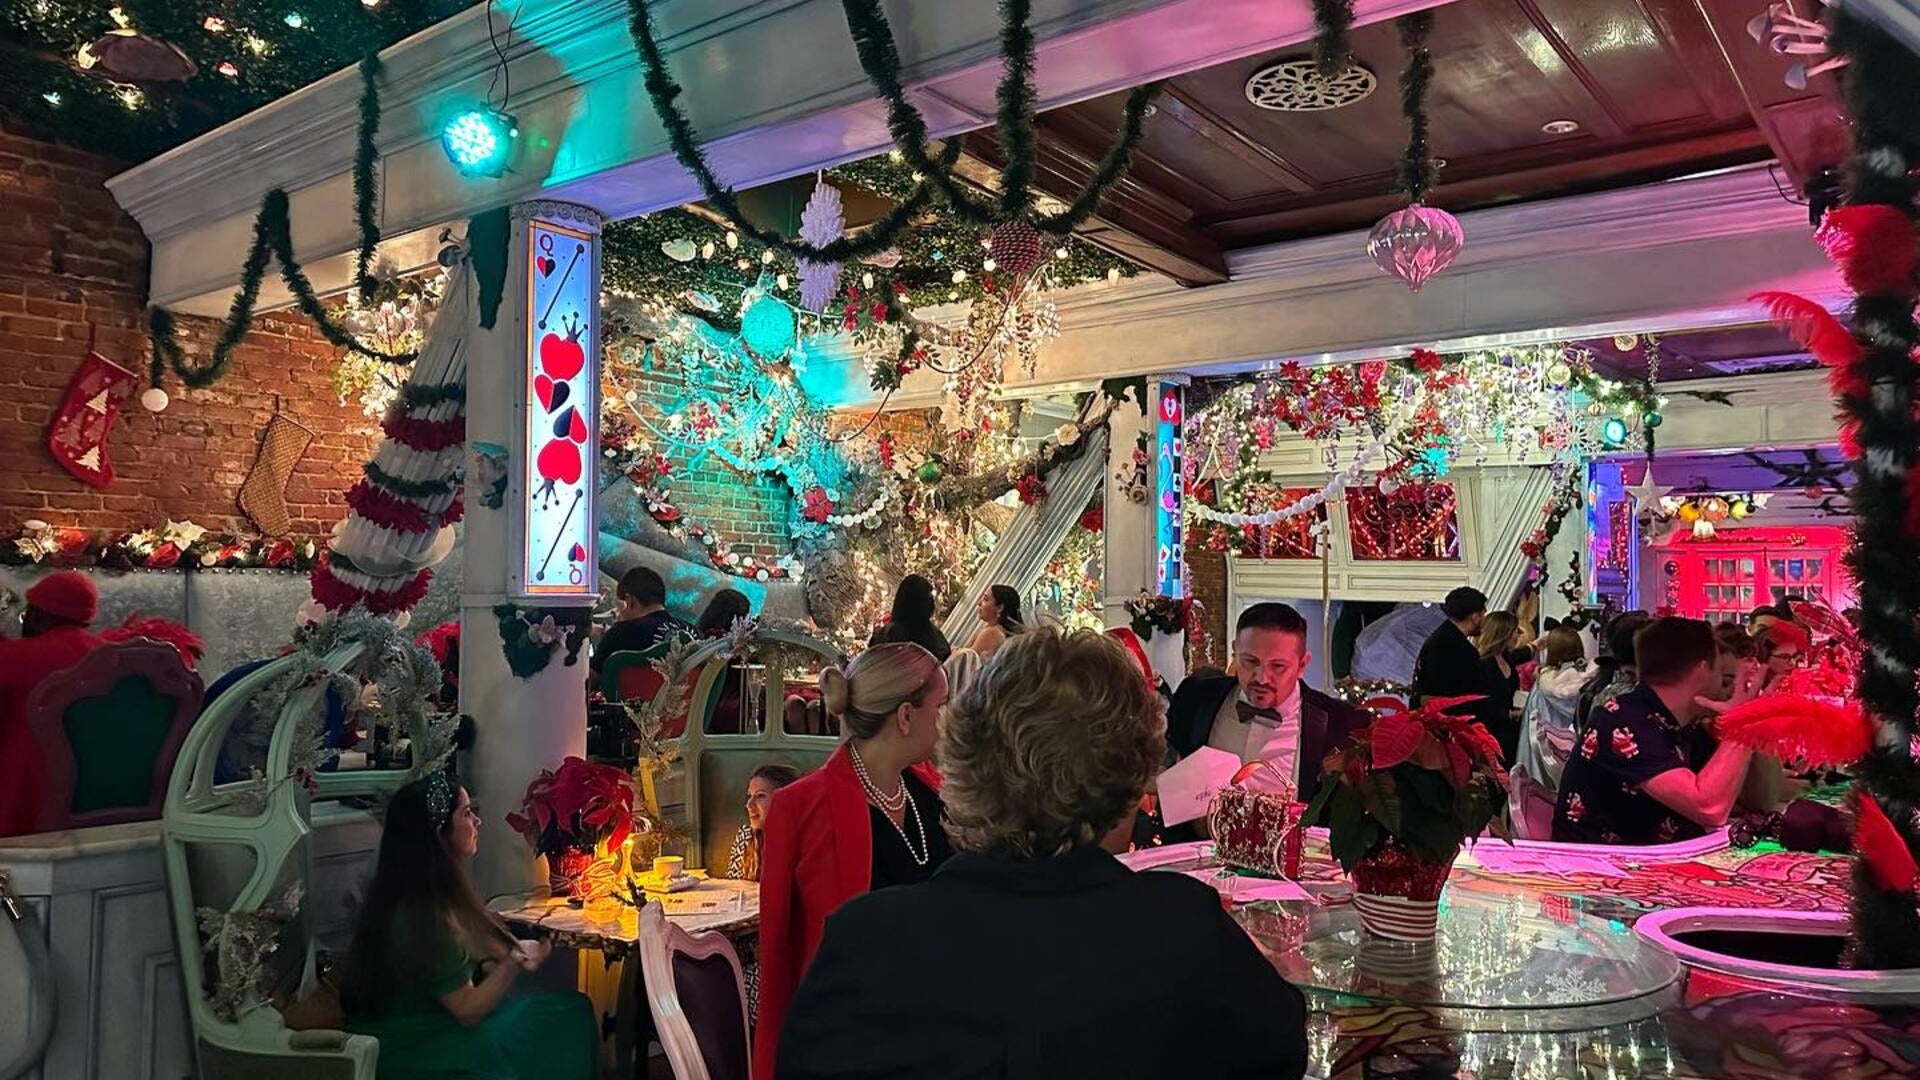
[{"x": 1415, "y": 243}]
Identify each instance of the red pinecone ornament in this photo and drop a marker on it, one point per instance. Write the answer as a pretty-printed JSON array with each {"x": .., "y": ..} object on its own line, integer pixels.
[{"x": 1016, "y": 247}]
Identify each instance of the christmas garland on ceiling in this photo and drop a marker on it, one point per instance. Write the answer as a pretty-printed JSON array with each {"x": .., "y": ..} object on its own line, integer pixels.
[
  {"x": 880, "y": 59},
  {"x": 273, "y": 238},
  {"x": 1332, "y": 47}
]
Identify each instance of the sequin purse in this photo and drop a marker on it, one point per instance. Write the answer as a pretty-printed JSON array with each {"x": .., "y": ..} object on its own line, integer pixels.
[{"x": 1257, "y": 830}]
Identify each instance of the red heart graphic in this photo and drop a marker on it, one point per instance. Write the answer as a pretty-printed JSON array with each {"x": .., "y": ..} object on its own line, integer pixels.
[
  {"x": 562, "y": 357},
  {"x": 543, "y": 389},
  {"x": 546, "y": 265},
  {"x": 578, "y": 433},
  {"x": 559, "y": 461},
  {"x": 576, "y": 553}
]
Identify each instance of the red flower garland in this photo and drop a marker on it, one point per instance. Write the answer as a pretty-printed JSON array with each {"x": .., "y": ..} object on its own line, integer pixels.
[
  {"x": 330, "y": 592},
  {"x": 426, "y": 436},
  {"x": 386, "y": 509}
]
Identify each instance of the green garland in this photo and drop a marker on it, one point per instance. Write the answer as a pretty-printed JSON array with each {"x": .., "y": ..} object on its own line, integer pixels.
[
  {"x": 664, "y": 92},
  {"x": 273, "y": 237},
  {"x": 414, "y": 490},
  {"x": 364, "y": 178},
  {"x": 527, "y": 657},
  {"x": 1332, "y": 47},
  {"x": 1417, "y": 171}
]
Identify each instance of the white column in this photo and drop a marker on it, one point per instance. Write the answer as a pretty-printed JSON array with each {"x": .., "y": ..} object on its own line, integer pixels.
[
  {"x": 524, "y": 551},
  {"x": 1132, "y": 541}
]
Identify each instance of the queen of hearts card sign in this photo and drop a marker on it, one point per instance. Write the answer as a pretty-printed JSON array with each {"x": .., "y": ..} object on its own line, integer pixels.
[{"x": 556, "y": 555}]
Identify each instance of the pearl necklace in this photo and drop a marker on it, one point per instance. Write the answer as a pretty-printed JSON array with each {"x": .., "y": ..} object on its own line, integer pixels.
[{"x": 893, "y": 806}]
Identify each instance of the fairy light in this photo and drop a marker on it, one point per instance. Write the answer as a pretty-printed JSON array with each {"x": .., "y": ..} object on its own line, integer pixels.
[
  {"x": 257, "y": 43},
  {"x": 214, "y": 24}
]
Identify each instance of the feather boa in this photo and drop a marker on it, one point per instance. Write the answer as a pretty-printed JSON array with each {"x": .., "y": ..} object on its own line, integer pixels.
[
  {"x": 1878, "y": 843},
  {"x": 1794, "y": 728},
  {"x": 1818, "y": 331},
  {"x": 165, "y": 631},
  {"x": 1871, "y": 245}
]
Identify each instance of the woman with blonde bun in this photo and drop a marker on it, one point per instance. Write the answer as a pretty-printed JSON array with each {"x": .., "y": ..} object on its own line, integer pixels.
[{"x": 867, "y": 819}]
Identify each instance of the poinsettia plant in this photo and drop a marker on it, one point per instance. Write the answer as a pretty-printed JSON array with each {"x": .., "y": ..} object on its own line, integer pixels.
[
  {"x": 1423, "y": 778},
  {"x": 578, "y": 807}
]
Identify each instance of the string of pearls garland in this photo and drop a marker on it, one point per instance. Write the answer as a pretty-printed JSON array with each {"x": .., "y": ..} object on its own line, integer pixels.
[{"x": 864, "y": 518}]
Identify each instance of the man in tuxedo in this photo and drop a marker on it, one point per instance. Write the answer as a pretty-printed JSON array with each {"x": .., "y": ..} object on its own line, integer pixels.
[
  {"x": 1449, "y": 663},
  {"x": 1264, "y": 712}
]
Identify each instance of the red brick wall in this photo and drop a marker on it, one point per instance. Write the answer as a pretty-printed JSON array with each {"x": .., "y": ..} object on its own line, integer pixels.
[{"x": 72, "y": 264}]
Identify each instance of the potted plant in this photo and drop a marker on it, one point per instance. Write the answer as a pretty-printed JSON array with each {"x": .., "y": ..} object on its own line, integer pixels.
[
  {"x": 573, "y": 813},
  {"x": 1400, "y": 800}
]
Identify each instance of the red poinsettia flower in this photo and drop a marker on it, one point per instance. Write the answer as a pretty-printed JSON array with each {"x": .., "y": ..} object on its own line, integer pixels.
[
  {"x": 818, "y": 507},
  {"x": 279, "y": 554},
  {"x": 1094, "y": 519},
  {"x": 577, "y": 807},
  {"x": 1033, "y": 490},
  {"x": 164, "y": 557},
  {"x": 1426, "y": 361}
]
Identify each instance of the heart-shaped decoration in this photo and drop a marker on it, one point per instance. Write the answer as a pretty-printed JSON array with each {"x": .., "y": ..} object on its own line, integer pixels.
[
  {"x": 576, "y": 553},
  {"x": 561, "y": 392},
  {"x": 546, "y": 265},
  {"x": 563, "y": 424},
  {"x": 543, "y": 389},
  {"x": 578, "y": 430},
  {"x": 561, "y": 356},
  {"x": 559, "y": 461}
]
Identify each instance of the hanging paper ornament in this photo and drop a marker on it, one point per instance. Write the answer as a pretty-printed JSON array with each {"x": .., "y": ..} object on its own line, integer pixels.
[
  {"x": 767, "y": 327},
  {"x": 1016, "y": 247},
  {"x": 821, "y": 223},
  {"x": 678, "y": 250},
  {"x": 1415, "y": 243},
  {"x": 153, "y": 399},
  {"x": 128, "y": 56}
]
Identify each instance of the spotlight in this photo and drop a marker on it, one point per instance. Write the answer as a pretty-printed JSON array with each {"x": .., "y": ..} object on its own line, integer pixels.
[
  {"x": 1614, "y": 432},
  {"x": 479, "y": 142}
]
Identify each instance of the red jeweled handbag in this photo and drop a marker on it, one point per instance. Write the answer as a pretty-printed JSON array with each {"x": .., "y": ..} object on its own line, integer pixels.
[{"x": 1256, "y": 830}]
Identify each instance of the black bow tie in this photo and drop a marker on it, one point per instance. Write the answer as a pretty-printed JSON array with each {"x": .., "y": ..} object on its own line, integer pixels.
[{"x": 1254, "y": 714}]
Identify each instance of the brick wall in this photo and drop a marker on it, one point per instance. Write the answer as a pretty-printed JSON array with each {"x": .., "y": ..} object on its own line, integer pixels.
[
  {"x": 71, "y": 264},
  {"x": 749, "y": 512}
]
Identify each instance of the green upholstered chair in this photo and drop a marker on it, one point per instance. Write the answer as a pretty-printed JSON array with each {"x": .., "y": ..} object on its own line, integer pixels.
[
  {"x": 108, "y": 730},
  {"x": 237, "y": 852}
]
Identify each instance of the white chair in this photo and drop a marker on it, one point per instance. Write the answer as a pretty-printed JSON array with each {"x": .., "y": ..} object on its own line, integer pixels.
[{"x": 698, "y": 998}]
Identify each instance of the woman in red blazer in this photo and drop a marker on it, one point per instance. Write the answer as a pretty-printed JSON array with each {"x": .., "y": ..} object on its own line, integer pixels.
[{"x": 869, "y": 818}]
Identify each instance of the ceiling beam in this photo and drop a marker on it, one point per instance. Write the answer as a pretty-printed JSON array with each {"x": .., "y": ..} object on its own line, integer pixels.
[{"x": 1806, "y": 129}]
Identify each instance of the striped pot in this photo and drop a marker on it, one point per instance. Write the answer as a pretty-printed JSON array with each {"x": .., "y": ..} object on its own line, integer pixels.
[{"x": 1398, "y": 894}]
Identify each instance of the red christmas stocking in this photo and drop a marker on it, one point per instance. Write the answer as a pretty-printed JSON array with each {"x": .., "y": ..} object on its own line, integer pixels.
[{"x": 77, "y": 435}]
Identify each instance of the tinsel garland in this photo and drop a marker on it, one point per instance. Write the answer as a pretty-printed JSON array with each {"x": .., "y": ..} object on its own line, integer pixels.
[
  {"x": 1883, "y": 92},
  {"x": 1416, "y": 170},
  {"x": 664, "y": 92},
  {"x": 364, "y": 180},
  {"x": 273, "y": 237},
  {"x": 408, "y": 489},
  {"x": 1015, "y": 119},
  {"x": 1332, "y": 48}
]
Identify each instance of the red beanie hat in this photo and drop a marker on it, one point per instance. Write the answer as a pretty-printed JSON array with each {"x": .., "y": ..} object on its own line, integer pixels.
[{"x": 65, "y": 595}]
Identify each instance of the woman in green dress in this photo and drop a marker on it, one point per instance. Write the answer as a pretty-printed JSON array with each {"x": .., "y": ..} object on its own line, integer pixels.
[{"x": 431, "y": 970}]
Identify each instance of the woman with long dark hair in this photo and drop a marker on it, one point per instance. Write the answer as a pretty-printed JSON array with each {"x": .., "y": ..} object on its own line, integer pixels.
[
  {"x": 999, "y": 608},
  {"x": 726, "y": 607},
  {"x": 423, "y": 933},
  {"x": 912, "y": 619}
]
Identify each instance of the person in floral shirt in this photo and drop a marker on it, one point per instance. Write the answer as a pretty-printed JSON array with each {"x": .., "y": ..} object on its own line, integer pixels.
[{"x": 1628, "y": 781}]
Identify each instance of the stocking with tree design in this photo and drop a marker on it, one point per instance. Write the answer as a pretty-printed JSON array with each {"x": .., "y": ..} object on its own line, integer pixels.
[{"x": 77, "y": 434}]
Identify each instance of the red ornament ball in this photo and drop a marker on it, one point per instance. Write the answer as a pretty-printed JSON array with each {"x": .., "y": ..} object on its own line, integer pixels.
[{"x": 1016, "y": 247}]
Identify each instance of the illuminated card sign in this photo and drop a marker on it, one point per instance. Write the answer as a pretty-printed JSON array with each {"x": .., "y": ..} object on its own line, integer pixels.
[
  {"x": 556, "y": 556},
  {"x": 1170, "y": 449}
]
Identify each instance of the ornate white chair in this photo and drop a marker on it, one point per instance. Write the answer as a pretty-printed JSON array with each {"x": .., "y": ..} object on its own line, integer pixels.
[
  {"x": 239, "y": 868},
  {"x": 698, "y": 998}
]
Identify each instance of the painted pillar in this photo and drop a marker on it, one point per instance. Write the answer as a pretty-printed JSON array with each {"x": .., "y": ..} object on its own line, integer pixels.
[
  {"x": 532, "y": 403},
  {"x": 1144, "y": 540}
]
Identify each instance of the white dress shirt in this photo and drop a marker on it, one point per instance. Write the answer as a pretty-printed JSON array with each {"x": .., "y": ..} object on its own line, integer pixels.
[{"x": 1278, "y": 744}]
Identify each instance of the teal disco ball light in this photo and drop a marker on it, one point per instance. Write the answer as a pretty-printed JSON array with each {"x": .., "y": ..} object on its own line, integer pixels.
[
  {"x": 480, "y": 142},
  {"x": 768, "y": 327}
]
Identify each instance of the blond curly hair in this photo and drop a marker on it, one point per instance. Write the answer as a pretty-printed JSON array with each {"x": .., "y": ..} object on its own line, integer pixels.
[{"x": 1050, "y": 747}]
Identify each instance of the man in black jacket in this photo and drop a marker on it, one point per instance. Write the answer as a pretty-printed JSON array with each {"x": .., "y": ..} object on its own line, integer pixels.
[{"x": 1264, "y": 712}]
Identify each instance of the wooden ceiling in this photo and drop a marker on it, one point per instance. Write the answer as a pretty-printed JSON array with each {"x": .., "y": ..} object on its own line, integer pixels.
[{"x": 1658, "y": 88}]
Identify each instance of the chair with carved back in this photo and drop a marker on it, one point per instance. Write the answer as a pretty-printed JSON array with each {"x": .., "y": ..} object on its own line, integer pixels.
[
  {"x": 240, "y": 853},
  {"x": 698, "y": 997},
  {"x": 108, "y": 730},
  {"x": 712, "y": 781}
]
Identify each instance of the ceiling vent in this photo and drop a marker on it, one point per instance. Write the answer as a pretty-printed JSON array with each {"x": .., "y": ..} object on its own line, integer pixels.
[{"x": 1296, "y": 86}]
